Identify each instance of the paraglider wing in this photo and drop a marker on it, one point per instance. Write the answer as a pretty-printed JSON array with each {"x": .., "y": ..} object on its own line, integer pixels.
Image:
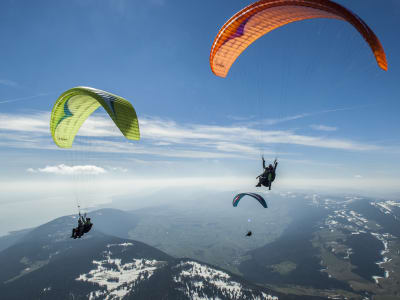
[
  {"x": 238, "y": 197},
  {"x": 263, "y": 16},
  {"x": 74, "y": 106}
]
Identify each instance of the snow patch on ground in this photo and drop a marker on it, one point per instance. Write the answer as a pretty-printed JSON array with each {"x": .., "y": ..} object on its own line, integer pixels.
[
  {"x": 344, "y": 218},
  {"x": 121, "y": 245},
  {"x": 356, "y": 223},
  {"x": 386, "y": 207},
  {"x": 376, "y": 279},
  {"x": 118, "y": 278},
  {"x": 202, "y": 276}
]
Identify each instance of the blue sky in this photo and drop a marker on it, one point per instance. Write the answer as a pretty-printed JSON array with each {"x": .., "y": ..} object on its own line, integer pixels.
[{"x": 310, "y": 93}]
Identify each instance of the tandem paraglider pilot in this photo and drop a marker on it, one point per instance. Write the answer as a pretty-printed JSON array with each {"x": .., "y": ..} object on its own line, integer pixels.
[
  {"x": 84, "y": 226},
  {"x": 269, "y": 174}
]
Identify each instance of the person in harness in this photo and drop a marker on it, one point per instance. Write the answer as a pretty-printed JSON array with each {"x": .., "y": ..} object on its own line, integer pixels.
[
  {"x": 269, "y": 174},
  {"x": 87, "y": 225},
  {"x": 84, "y": 226}
]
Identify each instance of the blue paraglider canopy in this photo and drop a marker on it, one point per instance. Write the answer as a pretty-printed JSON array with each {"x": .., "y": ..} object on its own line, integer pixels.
[{"x": 238, "y": 197}]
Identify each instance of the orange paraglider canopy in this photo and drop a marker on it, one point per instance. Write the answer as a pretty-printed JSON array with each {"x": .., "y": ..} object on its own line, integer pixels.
[{"x": 263, "y": 16}]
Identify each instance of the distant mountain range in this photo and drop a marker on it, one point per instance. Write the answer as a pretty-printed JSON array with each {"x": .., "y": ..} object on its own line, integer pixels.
[
  {"x": 329, "y": 248},
  {"x": 45, "y": 263}
]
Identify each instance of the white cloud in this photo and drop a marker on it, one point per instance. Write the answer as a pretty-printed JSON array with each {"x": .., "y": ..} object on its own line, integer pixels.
[
  {"x": 38, "y": 123},
  {"x": 241, "y": 136},
  {"x": 323, "y": 127},
  {"x": 165, "y": 138},
  {"x": 117, "y": 169},
  {"x": 8, "y": 82},
  {"x": 69, "y": 170},
  {"x": 358, "y": 176}
]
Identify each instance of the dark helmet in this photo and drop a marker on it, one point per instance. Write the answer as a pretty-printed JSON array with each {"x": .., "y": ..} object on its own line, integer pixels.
[{"x": 270, "y": 166}]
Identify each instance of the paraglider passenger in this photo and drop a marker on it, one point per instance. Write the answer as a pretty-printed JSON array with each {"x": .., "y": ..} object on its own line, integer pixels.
[
  {"x": 268, "y": 176},
  {"x": 87, "y": 225},
  {"x": 249, "y": 233}
]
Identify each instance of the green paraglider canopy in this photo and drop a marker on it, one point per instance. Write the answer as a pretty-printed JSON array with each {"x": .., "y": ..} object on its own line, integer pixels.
[{"x": 74, "y": 106}]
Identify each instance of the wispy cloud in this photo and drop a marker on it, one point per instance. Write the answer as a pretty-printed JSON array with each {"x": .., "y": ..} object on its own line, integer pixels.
[
  {"x": 285, "y": 119},
  {"x": 323, "y": 127},
  {"x": 8, "y": 82},
  {"x": 304, "y": 115},
  {"x": 166, "y": 138},
  {"x": 38, "y": 123},
  {"x": 69, "y": 170},
  {"x": 25, "y": 98},
  {"x": 117, "y": 169},
  {"x": 242, "y": 137},
  {"x": 240, "y": 118}
]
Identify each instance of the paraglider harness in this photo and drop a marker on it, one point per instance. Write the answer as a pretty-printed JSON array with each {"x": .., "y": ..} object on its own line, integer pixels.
[
  {"x": 268, "y": 176},
  {"x": 84, "y": 226}
]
